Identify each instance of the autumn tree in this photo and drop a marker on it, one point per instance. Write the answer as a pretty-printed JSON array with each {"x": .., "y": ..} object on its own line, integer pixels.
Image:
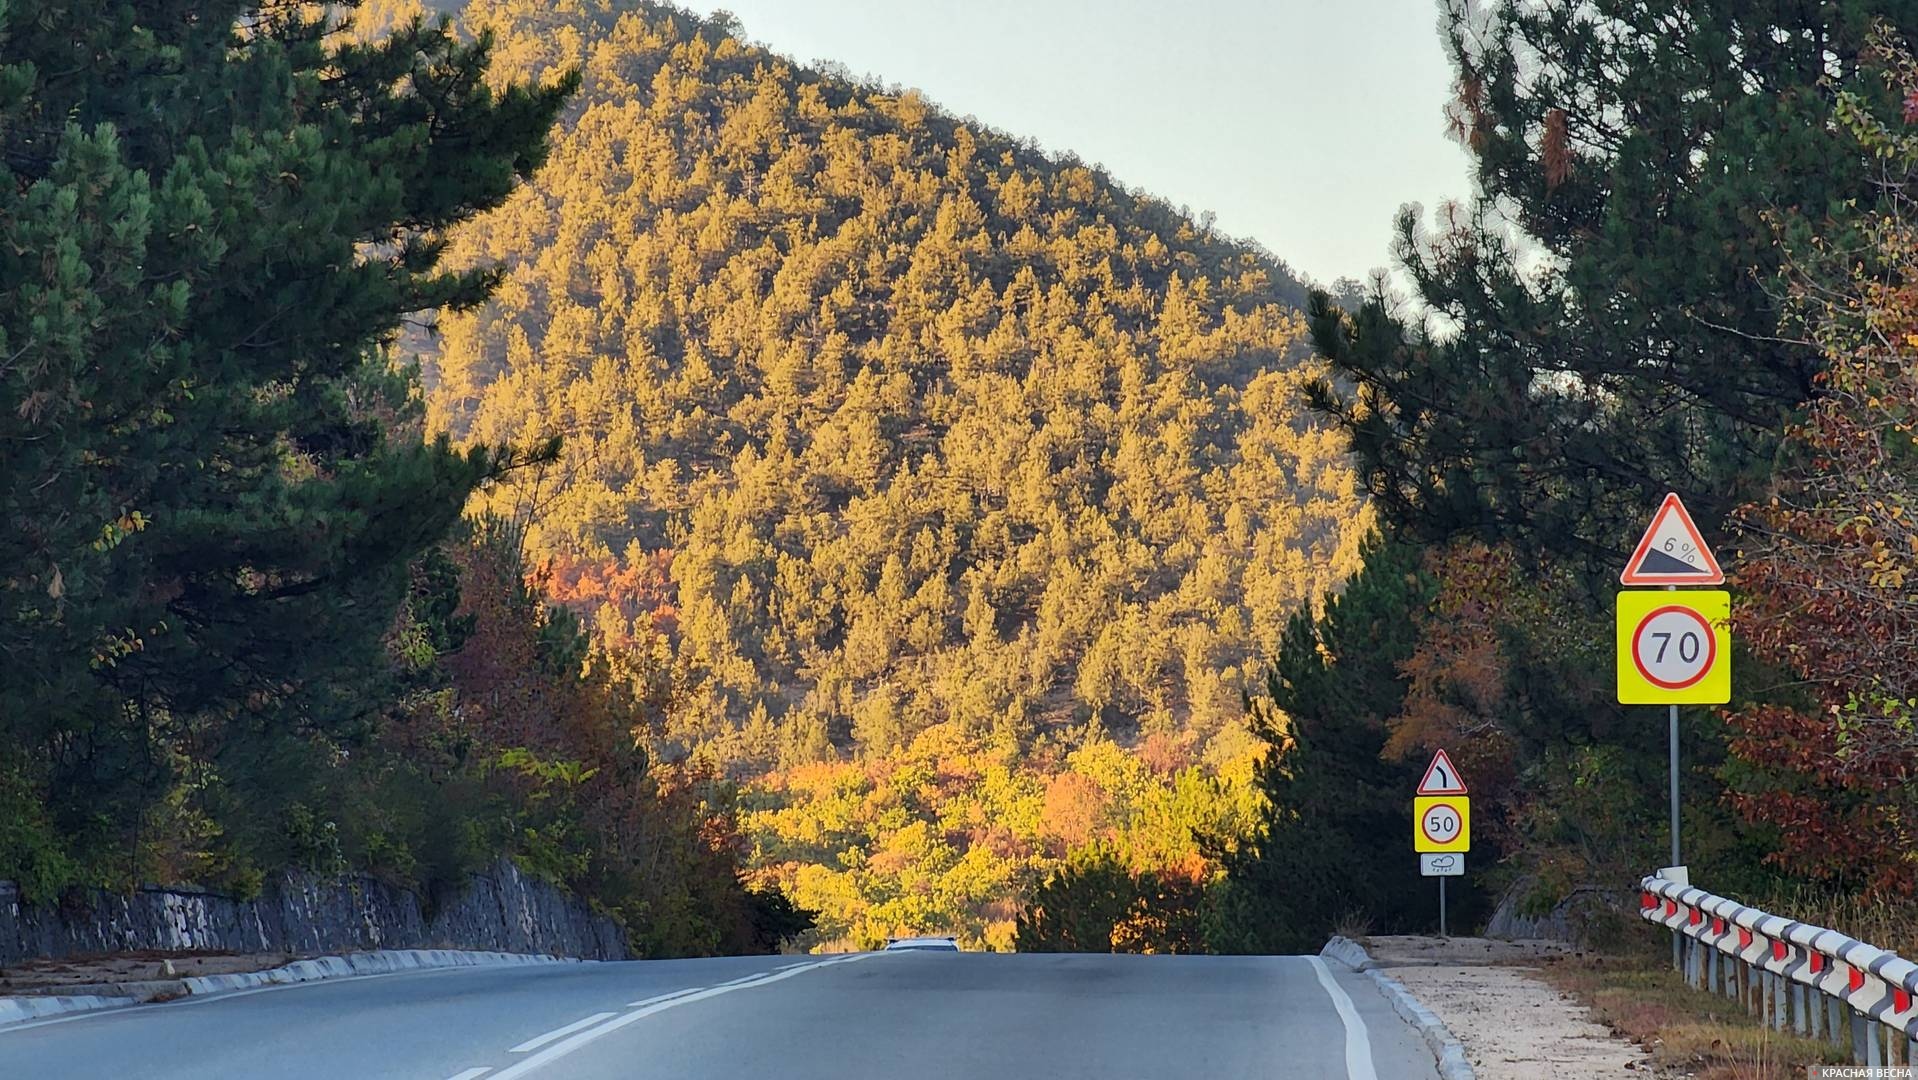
[
  {"x": 1095, "y": 904},
  {"x": 1828, "y": 559},
  {"x": 1512, "y": 675},
  {"x": 527, "y": 740}
]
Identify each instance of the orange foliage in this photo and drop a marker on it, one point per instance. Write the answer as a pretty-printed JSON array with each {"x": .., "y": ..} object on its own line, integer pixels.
[
  {"x": 1832, "y": 556},
  {"x": 659, "y": 844},
  {"x": 999, "y": 840},
  {"x": 1166, "y": 754},
  {"x": 1555, "y": 149},
  {"x": 1075, "y": 808},
  {"x": 642, "y": 592},
  {"x": 1456, "y": 683},
  {"x": 1827, "y": 596}
]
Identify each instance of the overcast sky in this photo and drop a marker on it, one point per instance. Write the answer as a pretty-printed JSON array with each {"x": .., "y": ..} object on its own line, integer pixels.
[{"x": 1303, "y": 124}]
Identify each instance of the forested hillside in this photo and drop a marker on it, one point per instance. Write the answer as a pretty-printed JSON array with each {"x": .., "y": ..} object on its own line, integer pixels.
[
  {"x": 757, "y": 500},
  {"x": 905, "y": 455}
]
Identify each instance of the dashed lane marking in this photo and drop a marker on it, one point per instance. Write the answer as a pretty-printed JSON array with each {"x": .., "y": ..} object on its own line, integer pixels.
[
  {"x": 664, "y": 997},
  {"x": 538, "y": 1041},
  {"x": 566, "y": 1046}
]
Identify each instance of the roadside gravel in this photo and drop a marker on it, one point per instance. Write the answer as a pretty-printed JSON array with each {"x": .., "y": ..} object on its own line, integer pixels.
[{"x": 1513, "y": 1024}]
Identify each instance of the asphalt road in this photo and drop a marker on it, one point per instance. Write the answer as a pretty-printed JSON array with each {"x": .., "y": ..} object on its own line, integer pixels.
[{"x": 866, "y": 1016}]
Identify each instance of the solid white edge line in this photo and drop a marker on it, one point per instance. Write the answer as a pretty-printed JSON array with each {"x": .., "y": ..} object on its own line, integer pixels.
[
  {"x": 538, "y": 1041},
  {"x": 1358, "y": 1041},
  {"x": 228, "y": 995},
  {"x": 561, "y": 1049},
  {"x": 472, "y": 1074}
]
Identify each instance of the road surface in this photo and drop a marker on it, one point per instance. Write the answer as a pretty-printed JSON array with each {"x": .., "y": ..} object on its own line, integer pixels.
[{"x": 864, "y": 1016}]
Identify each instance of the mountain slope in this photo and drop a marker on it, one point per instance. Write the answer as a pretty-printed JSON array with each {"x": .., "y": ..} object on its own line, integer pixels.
[{"x": 885, "y": 429}]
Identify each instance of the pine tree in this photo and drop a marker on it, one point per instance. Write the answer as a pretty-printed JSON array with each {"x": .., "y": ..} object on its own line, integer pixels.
[
  {"x": 1625, "y": 341},
  {"x": 214, "y": 216},
  {"x": 1335, "y": 830}
]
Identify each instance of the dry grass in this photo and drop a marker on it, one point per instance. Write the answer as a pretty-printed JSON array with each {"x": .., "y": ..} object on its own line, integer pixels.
[
  {"x": 1638, "y": 995},
  {"x": 58, "y": 976},
  {"x": 1354, "y": 924},
  {"x": 1888, "y": 924}
]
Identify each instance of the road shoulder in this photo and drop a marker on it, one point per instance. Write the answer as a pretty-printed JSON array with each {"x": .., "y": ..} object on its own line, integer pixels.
[
  {"x": 55, "y": 999},
  {"x": 1513, "y": 1024}
]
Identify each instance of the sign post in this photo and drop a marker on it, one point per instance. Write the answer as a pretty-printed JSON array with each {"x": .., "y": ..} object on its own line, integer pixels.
[
  {"x": 1441, "y": 825},
  {"x": 1673, "y": 648},
  {"x": 1673, "y": 738}
]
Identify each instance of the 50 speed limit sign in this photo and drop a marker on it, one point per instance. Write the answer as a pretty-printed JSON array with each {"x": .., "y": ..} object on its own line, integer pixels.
[
  {"x": 1441, "y": 823},
  {"x": 1674, "y": 648}
]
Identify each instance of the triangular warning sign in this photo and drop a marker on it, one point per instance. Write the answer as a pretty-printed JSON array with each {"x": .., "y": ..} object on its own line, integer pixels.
[
  {"x": 1441, "y": 778},
  {"x": 1672, "y": 551}
]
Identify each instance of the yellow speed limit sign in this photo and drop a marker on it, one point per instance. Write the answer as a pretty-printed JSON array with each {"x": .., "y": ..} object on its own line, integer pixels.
[
  {"x": 1441, "y": 823},
  {"x": 1674, "y": 648}
]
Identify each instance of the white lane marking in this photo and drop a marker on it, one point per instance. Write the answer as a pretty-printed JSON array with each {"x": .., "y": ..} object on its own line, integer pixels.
[
  {"x": 753, "y": 977},
  {"x": 228, "y": 995},
  {"x": 664, "y": 997},
  {"x": 90, "y": 1014},
  {"x": 472, "y": 1074},
  {"x": 538, "y": 1041},
  {"x": 1358, "y": 1041},
  {"x": 561, "y": 1049}
]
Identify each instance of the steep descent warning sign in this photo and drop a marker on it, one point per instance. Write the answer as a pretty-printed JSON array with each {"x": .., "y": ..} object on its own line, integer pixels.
[
  {"x": 1672, "y": 552},
  {"x": 1441, "y": 778}
]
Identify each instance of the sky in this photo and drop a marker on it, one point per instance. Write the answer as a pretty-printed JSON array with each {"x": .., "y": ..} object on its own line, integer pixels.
[{"x": 1302, "y": 124}]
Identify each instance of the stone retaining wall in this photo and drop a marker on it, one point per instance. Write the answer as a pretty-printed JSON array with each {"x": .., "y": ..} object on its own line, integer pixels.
[
  {"x": 501, "y": 910},
  {"x": 1588, "y": 913}
]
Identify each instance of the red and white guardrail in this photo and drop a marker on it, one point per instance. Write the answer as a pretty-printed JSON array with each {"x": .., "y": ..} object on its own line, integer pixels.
[{"x": 1819, "y": 981}]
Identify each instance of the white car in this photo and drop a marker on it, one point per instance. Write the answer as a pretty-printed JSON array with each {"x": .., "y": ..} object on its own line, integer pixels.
[{"x": 922, "y": 944}]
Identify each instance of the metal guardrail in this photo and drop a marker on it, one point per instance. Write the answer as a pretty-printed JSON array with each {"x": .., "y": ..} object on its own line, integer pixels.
[{"x": 1819, "y": 982}]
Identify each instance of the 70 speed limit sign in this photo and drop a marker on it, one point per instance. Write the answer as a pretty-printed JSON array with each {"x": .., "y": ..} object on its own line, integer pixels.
[{"x": 1674, "y": 648}]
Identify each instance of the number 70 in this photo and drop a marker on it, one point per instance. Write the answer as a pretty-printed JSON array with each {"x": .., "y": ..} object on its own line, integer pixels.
[{"x": 1689, "y": 646}]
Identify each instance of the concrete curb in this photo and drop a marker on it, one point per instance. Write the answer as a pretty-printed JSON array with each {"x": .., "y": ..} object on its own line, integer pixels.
[
  {"x": 137, "y": 989},
  {"x": 378, "y": 962},
  {"x": 1348, "y": 952},
  {"x": 1452, "y": 1062},
  {"x": 14, "y": 1010}
]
